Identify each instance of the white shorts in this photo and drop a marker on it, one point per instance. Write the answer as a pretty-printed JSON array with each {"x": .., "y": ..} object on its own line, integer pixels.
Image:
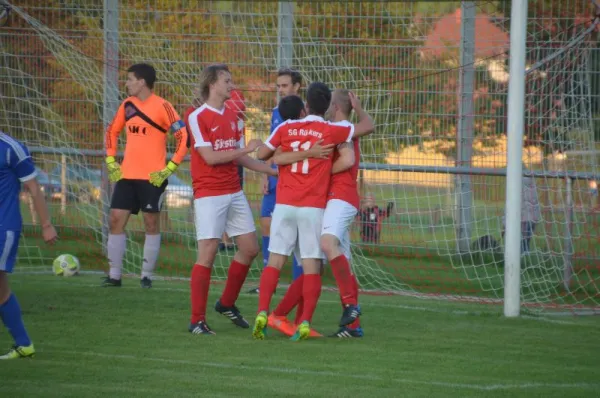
[
  {"x": 224, "y": 213},
  {"x": 290, "y": 224},
  {"x": 337, "y": 220}
]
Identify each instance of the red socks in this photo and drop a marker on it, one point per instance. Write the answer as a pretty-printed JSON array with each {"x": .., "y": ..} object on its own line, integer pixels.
[
  {"x": 235, "y": 280},
  {"x": 199, "y": 285},
  {"x": 310, "y": 293},
  {"x": 292, "y": 297},
  {"x": 344, "y": 279},
  {"x": 299, "y": 311},
  {"x": 356, "y": 323},
  {"x": 268, "y": 283}
]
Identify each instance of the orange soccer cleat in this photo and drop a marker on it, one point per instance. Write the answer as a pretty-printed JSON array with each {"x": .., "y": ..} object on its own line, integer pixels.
[{"x": 282, "y": 324}]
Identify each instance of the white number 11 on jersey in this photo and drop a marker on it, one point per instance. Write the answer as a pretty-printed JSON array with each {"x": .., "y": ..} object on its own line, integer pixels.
[{"x": 296, "y": 147}]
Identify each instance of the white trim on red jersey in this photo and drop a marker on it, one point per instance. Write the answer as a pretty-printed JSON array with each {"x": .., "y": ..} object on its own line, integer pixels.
[{"x": 195, "y": 128}]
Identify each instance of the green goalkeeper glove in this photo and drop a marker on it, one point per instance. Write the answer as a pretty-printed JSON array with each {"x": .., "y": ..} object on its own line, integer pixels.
[
  {"x": 114, "y": 169},
  {"x": 157, "y": 178}
]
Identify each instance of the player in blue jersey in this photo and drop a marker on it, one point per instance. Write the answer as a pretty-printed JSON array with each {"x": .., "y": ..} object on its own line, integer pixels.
[
  {"x": 289, "y": 82},
  {"x": 16, "y": 167}
]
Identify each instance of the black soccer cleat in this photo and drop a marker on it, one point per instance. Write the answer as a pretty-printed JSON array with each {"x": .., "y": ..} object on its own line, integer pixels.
[
  {"x": 351, "y": 313},
  {"x": 109, "y": 282},
  {"x": 253, "y": 291},
  {"x": 233, "y": 314},
  {"x": 146, "y": 283},
  {"x": 346, "y": 333},
  {"x": 200, "y": 328}
]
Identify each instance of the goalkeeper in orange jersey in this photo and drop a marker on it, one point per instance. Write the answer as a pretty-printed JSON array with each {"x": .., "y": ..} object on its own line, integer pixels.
[{"x": 142, "y": 178}]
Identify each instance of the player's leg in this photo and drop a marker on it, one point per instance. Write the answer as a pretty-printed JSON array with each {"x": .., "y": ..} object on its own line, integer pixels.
[
  {"x": 291, "y": 299},
  {"x": 354, "y": 329},
  {"x": 10, "y": 311},
  {"x": 266, "y": 212},
  {"x": 123, "y": 203},
  {"x": 283, "y": 239},
  {"x": 210, "y": 219},
  {"x": 151, "y": 200},
  {"x": 309, "y": 221},
  {"x": 239, "y": 226},
  {"x": 336, "y": 222}
]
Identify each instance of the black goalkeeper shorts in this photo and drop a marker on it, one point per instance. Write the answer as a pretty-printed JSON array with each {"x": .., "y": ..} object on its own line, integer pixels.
[{"x": 136, "y": 195}]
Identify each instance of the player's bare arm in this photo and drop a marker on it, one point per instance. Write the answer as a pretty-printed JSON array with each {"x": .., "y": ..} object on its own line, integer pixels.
[
  {"x": 365, "y": 124},
  {"x": 346, "y": 159},
  {"x": 219, "y": 157},
  {"x": 256, "y": 165},
  {"x": 317, "y": 151},
  {"x": 264, "y": 153},
  {"x": 39, "y": 204}
]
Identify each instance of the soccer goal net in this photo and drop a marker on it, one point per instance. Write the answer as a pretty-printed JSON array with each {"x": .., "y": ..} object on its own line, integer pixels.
[{"x": 435, "y": 78}]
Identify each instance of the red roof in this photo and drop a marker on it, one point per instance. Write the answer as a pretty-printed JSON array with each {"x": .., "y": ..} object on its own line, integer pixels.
[{"x": 445, "y": 37}]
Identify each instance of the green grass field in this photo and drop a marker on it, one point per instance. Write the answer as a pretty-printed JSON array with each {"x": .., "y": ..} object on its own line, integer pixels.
[{"x": 130, "y": 342}]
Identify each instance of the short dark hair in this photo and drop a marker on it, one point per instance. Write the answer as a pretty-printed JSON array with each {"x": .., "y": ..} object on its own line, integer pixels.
[
  {"x": 290, "y": 107},
  {"x": 144, "y": 71},
  {"x": 293, "y": 74},
  {"x": 318, "y": 98}
]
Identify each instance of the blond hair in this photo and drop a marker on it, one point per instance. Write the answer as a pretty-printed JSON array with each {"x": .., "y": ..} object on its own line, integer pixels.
[{"x": 208, "y": 76}]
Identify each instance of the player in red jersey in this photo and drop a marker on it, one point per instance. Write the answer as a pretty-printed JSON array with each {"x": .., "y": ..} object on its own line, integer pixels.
[
  {"x": 219, "y": 202},
  {"x": 342, "y": 206},
  {"x": 301, "y": 200}
]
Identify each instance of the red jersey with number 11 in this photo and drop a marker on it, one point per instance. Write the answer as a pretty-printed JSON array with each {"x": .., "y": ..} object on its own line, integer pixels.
[{"x": 306, "y": 183}]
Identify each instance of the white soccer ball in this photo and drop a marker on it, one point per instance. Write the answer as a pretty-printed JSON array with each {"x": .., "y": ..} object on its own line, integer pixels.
[{"x": 65, "y": 265}]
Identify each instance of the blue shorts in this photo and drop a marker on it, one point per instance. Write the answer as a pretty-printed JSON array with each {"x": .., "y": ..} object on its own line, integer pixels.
[
  {"x": 9, "y": 242},
  {"x": 268, "y": 205}
]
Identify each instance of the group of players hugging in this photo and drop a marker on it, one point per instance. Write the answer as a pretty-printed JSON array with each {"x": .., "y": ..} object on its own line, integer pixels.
[{"x": 310, "y": 163}]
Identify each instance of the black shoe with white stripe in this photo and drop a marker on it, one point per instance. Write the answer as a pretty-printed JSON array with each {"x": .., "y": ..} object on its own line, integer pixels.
[
  {"x": 346, "y": 333},
  {"x": 351, "y": 313},
  {"x": 233, "y": 314},
  {"x": 200, "y": 328}
]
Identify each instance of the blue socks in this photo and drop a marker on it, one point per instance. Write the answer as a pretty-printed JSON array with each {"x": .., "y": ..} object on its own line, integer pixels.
[
  {"x": 10, "y": 313},
  {"x": 265, "y": 249},
  {"x": 296, "y": 268}
]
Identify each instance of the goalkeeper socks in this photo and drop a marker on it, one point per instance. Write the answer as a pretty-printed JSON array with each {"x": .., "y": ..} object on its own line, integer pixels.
[
  {"x": 10, "y": 313},
  {"x": 199, "y": 285},
  {"x": 235, "y": 280},
  {"x": 296, "y": 268},
  {"x": 116, "y": 250},
  {"x": 268, "y": 283},
  {"x": 265, "y": 249},
  {"x": 292, "y": 297},
  {"x": 310, "y": 293},
  {"x": 151, "y": 249},
  {"x": 343, "y": 277},
  {"x": 356, "y": 323}
]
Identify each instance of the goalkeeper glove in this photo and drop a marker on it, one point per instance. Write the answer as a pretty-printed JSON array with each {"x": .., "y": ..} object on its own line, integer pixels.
[
  {"x": 157, "y": 178},
  {"x": 114, "y": 169}
]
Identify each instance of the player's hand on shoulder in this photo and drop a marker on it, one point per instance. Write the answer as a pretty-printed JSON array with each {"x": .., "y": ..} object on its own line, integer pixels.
[
  {"x": 321, "y": 151},
  {"x": 49, "y": 234},
  {"x": 252, "y": 145},
  {"x": 354, "y": 101}
]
